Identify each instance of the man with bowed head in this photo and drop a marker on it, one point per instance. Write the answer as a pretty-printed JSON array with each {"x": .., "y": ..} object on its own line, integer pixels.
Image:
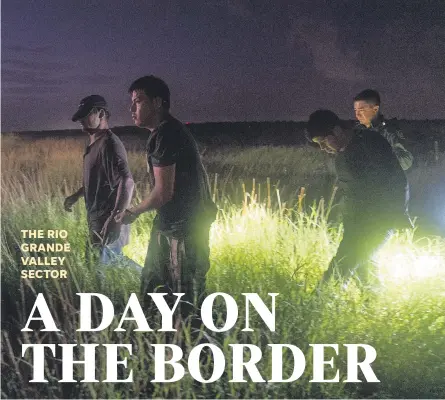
[
  {"x": 178, "y": 252},
  {"x": 374, "y": 188},
  {"x": 107, "y": 180}
]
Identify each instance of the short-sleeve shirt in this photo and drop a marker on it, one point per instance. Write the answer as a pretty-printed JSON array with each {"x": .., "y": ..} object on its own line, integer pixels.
[
  {"x": 105, "y": 164},
  {"x": 172, "y": 143}
]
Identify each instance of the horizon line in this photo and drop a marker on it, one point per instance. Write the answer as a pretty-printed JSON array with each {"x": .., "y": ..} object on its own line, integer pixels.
[{"x": 188, "y": 123}]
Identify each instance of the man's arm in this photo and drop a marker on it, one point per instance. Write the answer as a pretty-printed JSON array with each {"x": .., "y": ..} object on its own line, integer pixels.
[
  {"x": 163, "y": 154},
  {"x": 71, "y": 200},
  {"x": 394, "y": 136},
  {"x": 124, "y": 194},
  {"x": 116, "y": 167},
  {"x": 111, "y": 228},
  {"x": 404, "y": 156},
  {"x": 161, "y": 194}
]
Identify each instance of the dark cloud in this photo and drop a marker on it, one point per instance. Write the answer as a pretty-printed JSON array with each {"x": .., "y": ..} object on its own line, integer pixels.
[
  {"x": 224, "y": 60},
  {"x": 406, "y": 64},
  {"x": 322, "y": 38}
]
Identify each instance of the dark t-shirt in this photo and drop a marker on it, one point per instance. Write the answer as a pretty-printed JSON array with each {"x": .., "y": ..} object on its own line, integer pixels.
[
  {"x": 104, "y": 165},
  {"x": 371, "y": 179},
  {"x": 172, "y": 143}
]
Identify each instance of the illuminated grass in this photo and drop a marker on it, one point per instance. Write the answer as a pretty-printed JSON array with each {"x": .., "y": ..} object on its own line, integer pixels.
[
  {"x": 261, "y": 245},
  {"x": 404, "y": 260}
]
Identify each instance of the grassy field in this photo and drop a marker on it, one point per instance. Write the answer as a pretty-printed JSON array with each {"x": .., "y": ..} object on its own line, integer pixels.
[{"x": 267, "y": 239}]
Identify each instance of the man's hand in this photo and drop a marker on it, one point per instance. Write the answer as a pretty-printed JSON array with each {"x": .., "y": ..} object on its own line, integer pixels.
[
  {"x": 125, "y": 217},
  {"x": 69, "y": 202},
  {"x": 110, "y": 231}
]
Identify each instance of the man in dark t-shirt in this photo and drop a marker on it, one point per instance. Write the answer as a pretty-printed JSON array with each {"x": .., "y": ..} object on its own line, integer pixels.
[
  {"x": 178, "y": 252},
  {"x": 373, "y": 185},
  {"x": 107, "y": 180},
  {"x": 171, "y": 143}
]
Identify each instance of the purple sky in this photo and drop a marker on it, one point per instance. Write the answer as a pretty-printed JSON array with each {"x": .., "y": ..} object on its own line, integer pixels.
[{"x": 230, "y": 60}]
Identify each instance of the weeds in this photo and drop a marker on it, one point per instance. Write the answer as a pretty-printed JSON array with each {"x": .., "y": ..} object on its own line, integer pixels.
[{"x": 263, "y": 241}]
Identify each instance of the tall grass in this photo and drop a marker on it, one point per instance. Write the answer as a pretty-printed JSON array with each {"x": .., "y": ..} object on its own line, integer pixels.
[
  {"x": 263, "y": 243},
  {"x": 57, "y": 164}
]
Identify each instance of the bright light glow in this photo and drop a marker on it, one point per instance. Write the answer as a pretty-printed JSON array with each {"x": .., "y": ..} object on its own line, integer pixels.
[
  {"x": 402, "y": 266},
  {"x": 255, "y": 235}
]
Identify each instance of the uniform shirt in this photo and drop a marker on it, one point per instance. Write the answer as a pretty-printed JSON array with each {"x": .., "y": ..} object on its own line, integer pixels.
[
  {"x": 104, "y": 166},
  {"x": 371, "y": 179},
  {"x": 172, "y": 143},
  {"x": 393, "y": 136}
]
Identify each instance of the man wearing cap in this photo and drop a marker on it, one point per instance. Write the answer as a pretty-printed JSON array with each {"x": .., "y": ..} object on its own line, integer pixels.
[
  {"x": 178, "y": 251},
  {"x": 107, "y": 180},
  {"x": 373, "y": 185}
]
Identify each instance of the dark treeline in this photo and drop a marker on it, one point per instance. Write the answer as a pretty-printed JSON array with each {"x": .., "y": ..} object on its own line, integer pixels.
[{"x": 275, "y": 133}]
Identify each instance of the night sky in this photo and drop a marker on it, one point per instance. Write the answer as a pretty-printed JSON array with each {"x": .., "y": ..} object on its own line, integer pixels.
[{"x": 230, "y": 60}]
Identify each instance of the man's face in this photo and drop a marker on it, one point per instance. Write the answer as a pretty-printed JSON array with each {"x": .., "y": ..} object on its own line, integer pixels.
[
  {"x": 91, "y": 121},
  {"x": 329, "y": 143},
  {"x": 365, "y": 112},
  {"x": 144, "y": 110}
]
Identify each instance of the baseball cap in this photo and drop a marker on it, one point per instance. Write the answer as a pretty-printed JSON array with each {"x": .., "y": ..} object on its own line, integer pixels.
[
  {"x": 87, "y": 104},
  {"x": 321, "y": 123}
]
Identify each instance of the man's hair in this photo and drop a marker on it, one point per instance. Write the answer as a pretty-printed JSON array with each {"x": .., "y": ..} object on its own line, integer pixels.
[
  {"x": 152, "y": 87},
  {"x": 322, "y": 123},
  {"x": 369, "y": 95}
]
